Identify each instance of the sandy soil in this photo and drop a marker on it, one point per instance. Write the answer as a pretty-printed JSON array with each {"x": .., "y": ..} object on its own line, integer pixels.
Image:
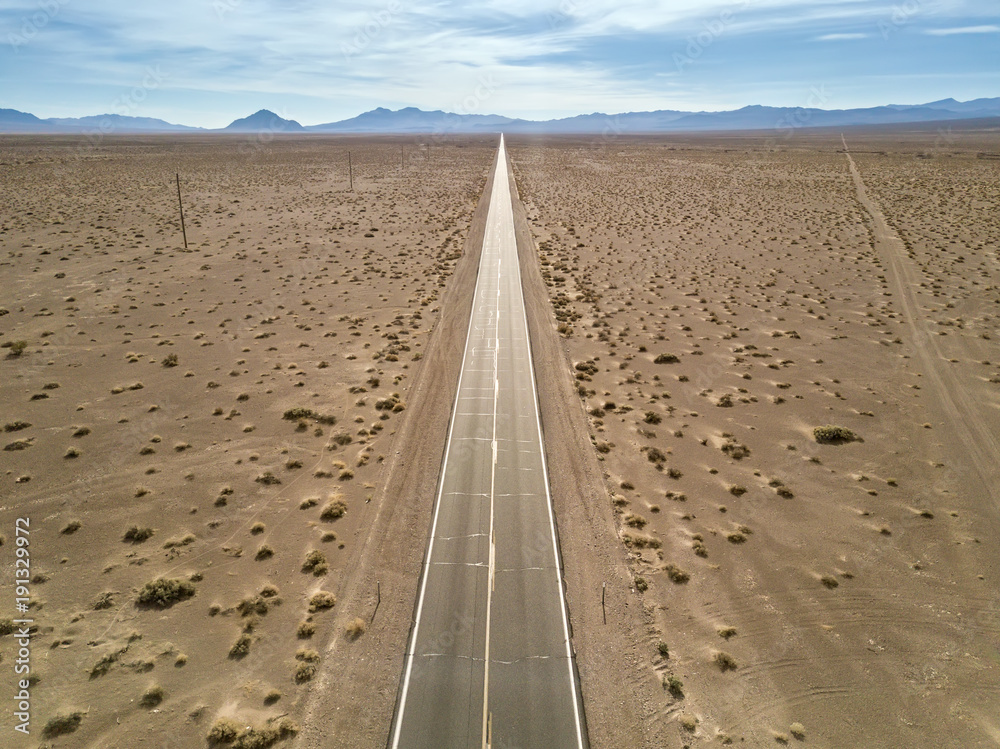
[
  {"x": 157, "y": 385},
  {"x": 717, "y": 299}
]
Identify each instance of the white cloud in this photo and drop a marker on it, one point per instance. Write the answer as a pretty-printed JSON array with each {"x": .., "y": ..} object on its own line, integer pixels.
[
  {"x": 840, "y": 37},
  {"x": 990, "y": 29}
]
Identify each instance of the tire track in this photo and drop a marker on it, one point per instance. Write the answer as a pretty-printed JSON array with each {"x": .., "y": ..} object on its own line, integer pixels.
[{"x": 961, "y": 411}]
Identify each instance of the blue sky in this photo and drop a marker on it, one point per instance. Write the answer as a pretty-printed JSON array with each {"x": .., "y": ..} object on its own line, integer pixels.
[{"x": 206, "y": 62}]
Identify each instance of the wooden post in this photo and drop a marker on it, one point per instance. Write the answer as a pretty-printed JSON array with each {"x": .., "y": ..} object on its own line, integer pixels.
[
  {"x": 181, "y": 206},
  {"x": 604, "y": 611},
  {"x": 378, "y": 599},
  {"x": 402, "y": 164},
  {"x": 350, "y": 170}
]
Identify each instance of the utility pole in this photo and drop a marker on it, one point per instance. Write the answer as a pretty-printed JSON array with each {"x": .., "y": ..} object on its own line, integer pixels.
[
  {"x": 181, "y": 206},
  {"x": 350, "y": 170}
]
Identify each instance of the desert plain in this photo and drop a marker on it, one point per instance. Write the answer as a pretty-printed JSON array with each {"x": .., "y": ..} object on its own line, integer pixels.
[{"x": 228, "y": 453}]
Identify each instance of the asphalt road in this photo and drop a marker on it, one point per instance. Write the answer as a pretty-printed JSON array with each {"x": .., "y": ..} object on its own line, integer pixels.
[{"x": 489, "y": 661}]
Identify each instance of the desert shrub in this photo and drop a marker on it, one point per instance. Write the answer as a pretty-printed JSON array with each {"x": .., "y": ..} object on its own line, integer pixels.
[
  {"x": 272, "y": 696},
  {"x": 737, "y": 491},
  {"x": 725, "y": 661},
  {"x": 137, "y": 535},
  {"x": 241, "y": 647},
  {"x": 315, "y": 563},
  {"x": 726, "y": 632},
  {"x": 655, "y": 455},
  {"x": 62, "y": 724},
  {"x": 829, "y": 581},
  {"x": 663, "y": 649},
  {"x": 321, "y": 600},
  {"x": 71, "y": 527},
  {"x": 267, "y": 479},
  {"x": 165, "y": 592},
  {"x": 652, "y": 417},
  {"x": 305, "y": 630},
  {"x": 17, "y": 347},
  {"x": 634, "y": 520},
  {"x": 170, "y": 360},
  {"x": 152, "y": 696},
  {"x": 676, "y": 574},
  {"x": 641, "y": 584},
  {"x": 735, "y": 450},
  {"x": 639, "y": 541},
  {"x": 334, "y": 510},
  {"x": 264, "y": 552},
  {"x": 299, "y": 413},
  {"x": 833, "y": 434},
  {"x": 304, "y": 672},
  {"x": 674, "y": 685},
  {"x": 257, "y": 528},
  {"x": 223, "y": 731},
  {"x": 666, "y": 359},
  {"x": 15, "y": 426},
  {"x": 798, "y": 731}
]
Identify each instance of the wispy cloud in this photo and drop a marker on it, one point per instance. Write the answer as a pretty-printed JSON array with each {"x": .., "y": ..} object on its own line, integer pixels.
[
  {"x": 841, "y": 37},
  {"x": 321, "y": 61},
  {"x": 989, "y": 29}
]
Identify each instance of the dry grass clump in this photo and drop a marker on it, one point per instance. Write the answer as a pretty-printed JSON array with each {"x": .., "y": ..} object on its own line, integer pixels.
[
  {"x": 834, "y": 435},
  {"x": 165, "y": 592},
  {"x": 355, "y": 628},
  {"x": 798, "y": 731}
]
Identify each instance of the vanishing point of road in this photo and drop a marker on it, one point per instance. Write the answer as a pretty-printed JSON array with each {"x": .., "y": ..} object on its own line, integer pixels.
[{"x": 489, "y": 661}]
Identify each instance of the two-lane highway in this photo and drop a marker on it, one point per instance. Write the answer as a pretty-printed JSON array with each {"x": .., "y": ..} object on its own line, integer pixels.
[{"x": 489, "y": 660}]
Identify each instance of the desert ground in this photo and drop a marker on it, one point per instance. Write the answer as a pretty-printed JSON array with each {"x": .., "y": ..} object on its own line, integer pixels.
[{"x": 228, "y": 454}]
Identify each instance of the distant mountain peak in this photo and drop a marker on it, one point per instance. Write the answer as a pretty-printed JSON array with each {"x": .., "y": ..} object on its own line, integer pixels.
[{"x": 263, "y": 120}]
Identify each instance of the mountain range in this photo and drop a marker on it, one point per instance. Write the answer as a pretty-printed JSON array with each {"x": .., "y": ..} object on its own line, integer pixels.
[{"x": 413, "y": 120}]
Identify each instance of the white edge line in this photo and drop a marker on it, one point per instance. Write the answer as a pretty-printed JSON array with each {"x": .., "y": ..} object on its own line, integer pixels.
[
  {"x": 545, "y": 473},
  {"x": 437, "y": 502}
]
